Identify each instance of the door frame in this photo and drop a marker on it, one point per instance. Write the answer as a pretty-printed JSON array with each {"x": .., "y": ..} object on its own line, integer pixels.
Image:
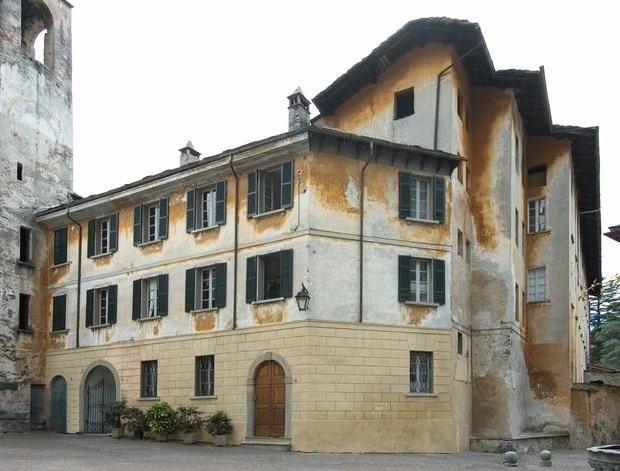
[
  {"x": 58, "y": 379},
  {"x": 288, "y": 386},
  {"x": 87, "y": 371}
]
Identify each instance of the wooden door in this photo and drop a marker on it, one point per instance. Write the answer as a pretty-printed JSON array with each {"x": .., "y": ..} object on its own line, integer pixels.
[{"x": 269, "y": 400}]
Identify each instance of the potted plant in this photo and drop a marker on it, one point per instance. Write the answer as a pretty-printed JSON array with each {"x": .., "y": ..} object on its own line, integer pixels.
[
  {"x": 135, "y": 421},
  {"x": 219, "y": 426},
  {"x": 162, "y": 420},
  {"x": 191, "y": 421},
  {"x": 112, "y": 415}
]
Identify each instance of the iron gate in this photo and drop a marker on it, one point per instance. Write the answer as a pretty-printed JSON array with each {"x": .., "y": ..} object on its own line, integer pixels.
[
  {"x": 100, "y": 391},
  {"x": 58, "y": 405}
]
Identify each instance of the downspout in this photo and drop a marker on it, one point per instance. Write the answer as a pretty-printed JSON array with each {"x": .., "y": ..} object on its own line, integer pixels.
[
  {"x": 438, "y": 89},
  {"x": 79, "y": 278},
  {"x": 362, "y": 196},
  {"x": 235, "y": 243}
]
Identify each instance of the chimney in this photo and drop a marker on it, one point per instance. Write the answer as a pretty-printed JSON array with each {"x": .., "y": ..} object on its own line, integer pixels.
[
  {"x": 189, "y": 154},
  {"x": 298, "y": 111}
]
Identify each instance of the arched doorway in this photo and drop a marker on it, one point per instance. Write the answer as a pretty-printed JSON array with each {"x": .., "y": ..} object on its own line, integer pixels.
[
  {"x": 99, "y": 391},
  {"x": 269, "y": 400},
  {"x": 58, "y": 405}
]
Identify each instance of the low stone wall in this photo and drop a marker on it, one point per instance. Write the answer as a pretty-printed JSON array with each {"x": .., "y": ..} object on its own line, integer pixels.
[
  {"x": 524, "y": 443},
  {"x": 596, "y": 415}
]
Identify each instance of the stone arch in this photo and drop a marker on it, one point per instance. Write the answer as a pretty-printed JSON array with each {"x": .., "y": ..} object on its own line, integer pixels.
[
  {"x": 288, "y": 382},
  {"x": 37, "y": 19},
  {"x": 83, "y": 406}
]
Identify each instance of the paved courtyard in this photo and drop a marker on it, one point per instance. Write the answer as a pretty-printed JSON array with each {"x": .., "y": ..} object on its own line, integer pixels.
[{"x": 43, "y": 451}]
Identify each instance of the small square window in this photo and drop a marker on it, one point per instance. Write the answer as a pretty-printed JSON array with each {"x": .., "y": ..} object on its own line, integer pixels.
[
  {"x": 421, "y": 280},
  {"x": 537, "y": 176},
  {"x": 270, "y": 189},
  {"x": 421, "y": 372},
  {"x": 403, "y": 104},
  {"x": 150, "y": 222},
  {"x": 148, "y": 379},
  {"x": 205, "y": 375},
  {"x": 270, "y": 276}
]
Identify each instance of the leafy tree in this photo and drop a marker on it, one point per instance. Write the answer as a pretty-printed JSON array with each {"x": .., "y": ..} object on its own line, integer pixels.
[{"x": 605, "y": 324}]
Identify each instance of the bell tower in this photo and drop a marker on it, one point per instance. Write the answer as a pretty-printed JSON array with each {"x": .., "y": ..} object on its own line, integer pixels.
[{"x": 36, "y": 172}]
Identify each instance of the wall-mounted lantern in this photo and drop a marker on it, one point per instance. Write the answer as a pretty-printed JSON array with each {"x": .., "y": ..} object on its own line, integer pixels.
[{"x": 303, "y": 298}]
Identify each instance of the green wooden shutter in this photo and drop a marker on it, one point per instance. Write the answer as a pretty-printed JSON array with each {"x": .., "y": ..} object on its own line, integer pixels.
[
  {"x": 90, "y": 307},
  {"x": 163, "y": 218},
  {"x": 113, "y": 232},
  {"x": 252, "y": 200},
  {"x": 190, "y": 289},
  {"x": 404, "y": 195},
  {"x": 90, "y": 248},
  {"x": 220, "y": 285},
  {"x": 137, "y": 225},
  {"x": 112, "y": 296},
  {"x": 60, "y": 246},
  {"x": 162, "y": 295},
  {"x": 220, "y": 202},
  {"x": 250, "y": 280},
  {"x": 136, "y": 304},
  {"x": 286, "y": 273},
  {"x": 439, "y": 199},
  {"x": 59, "y": 313},
  {"x": 404, "y": 278},
  {"x": 287, "y": 184},
  {"x": 190, "y": 224},
  {"x": 439, "y": 281}
]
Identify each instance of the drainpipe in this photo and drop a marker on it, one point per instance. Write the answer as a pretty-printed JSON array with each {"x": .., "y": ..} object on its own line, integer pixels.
[
  {"x": 362, "y": 196},
  {"x": 438, "y": 89},
  {"x": 236, "y": 243},
  {"x": 79, "y": 278}
]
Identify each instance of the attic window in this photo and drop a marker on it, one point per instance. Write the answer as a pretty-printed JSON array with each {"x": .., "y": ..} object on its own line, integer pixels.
[{"x": 403, "y": 104}]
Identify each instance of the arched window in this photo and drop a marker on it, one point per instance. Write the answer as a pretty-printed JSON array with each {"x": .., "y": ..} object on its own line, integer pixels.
[{"x": 37, "y": 31}]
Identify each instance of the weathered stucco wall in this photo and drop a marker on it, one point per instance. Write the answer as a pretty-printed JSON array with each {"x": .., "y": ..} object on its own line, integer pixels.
[{"x": 595, "y": 415}]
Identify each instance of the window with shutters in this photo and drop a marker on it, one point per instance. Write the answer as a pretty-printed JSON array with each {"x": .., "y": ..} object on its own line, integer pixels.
[
  {"x": 421, "y": 280},
  {"x": 270, "y": 189},
  {"x": 59, "y": 313},
  {"x": 537, "y": 215},
  {"x": 206, "y": 207},
  {"x": 421, "y": 198},
  {"x": 205, "y": 375},
  {"x": 102, "y": 235},
  {"x": 101, "y": 306},
  {"x": 60, "y": 246},
  {"x": 270, "y": 276},
  {"x": 205, "y": 288},
  {"x": 150, "y": 222},
  {"x": 420, "y": 372},
  {"x": 148, "y": 379},
  {"x": 150, "y": 297}
]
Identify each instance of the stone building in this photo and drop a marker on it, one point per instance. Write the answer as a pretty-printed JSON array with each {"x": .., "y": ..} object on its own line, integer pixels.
[{"x": 441, "y": 225}]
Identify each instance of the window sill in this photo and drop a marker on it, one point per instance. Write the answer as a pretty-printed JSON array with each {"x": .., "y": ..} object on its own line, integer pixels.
[
  {"x": 148, "y": 399},
  {"x": 150, "y": 242},
  {"x": 100, "y": 326},
  {"x": 416, "y": 303},
  {"x": 204, "y": 311},
  {"x": 147, "y": 319},
  {"x": 59, "y": 332},
  {"x": 410, "y": 394},
  {"x": 425, "y": 221},
  {"x": 26, "y": 331},
  {"x": 539, "y": 301},
  {"x": 198, "y": 398},
  {"x": 22, "y": 263},
  {"x": 546, "y": 231},
  {"x": 268, "y": 213},
  {"x": 101, "y": 255},
  {"x": 205, "y": 229},
  {"x": 267, "y": 301},
  {"x": 60, "y": 265}
]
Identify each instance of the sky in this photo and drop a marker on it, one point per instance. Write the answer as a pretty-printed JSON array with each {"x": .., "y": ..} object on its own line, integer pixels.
[{"x": 148, "y": 75}]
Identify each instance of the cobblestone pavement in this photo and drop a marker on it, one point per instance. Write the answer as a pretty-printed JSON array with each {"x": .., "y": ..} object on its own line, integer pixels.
[{"x": 44, "y": 451}]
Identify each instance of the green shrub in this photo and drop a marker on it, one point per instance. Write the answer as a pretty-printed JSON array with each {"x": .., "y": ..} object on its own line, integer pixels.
[{"x": 162, "y": 419}]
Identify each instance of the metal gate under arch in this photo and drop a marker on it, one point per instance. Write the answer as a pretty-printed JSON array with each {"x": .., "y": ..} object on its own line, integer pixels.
[
  {"x": 58, "y": 405},
  {"x": 99, "y": 391}
]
